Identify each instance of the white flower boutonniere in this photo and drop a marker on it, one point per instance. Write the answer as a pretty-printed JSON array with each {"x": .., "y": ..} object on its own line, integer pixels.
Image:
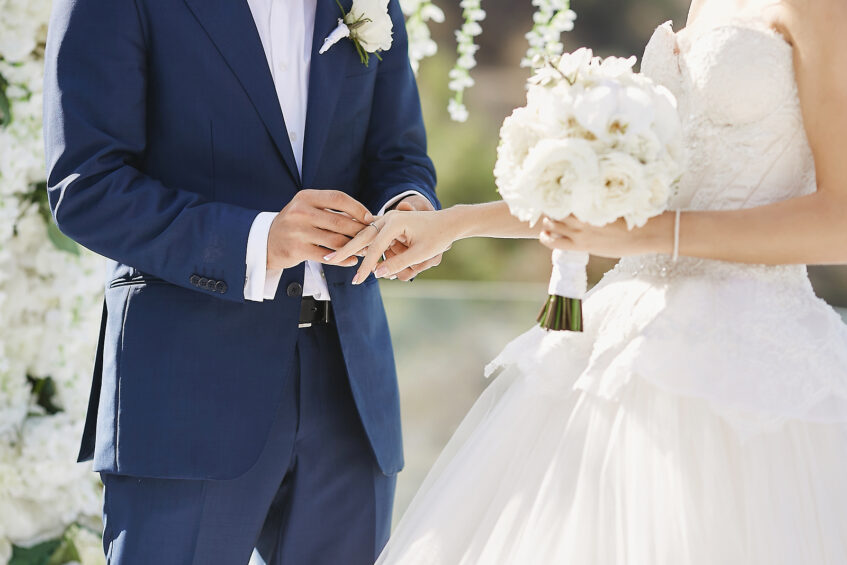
[{"x": 367, "y": 24}]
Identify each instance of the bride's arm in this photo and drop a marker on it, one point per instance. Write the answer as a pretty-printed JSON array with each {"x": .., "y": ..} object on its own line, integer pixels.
[
  {"x": 491, "y": 219},
  {"x": 428, "y": 234},
  {"x": 810, "y": 229}
]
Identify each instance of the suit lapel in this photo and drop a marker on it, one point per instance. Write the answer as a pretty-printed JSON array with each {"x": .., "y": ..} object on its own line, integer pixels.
[
  {"x": 230, "y": 25},
  {"x": 325, "y": 81}
]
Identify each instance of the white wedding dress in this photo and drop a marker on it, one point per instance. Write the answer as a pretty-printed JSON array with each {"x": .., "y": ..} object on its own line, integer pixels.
[{"x": 701, "y": 419}]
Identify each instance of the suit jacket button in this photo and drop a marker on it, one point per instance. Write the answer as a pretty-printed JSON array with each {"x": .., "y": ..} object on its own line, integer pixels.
[
  {"x": 203, "y": 282},
  {"x": 221, "y": 287},
  {"x": 195, "y": 280},
  {"x": 294, "y": 289}
]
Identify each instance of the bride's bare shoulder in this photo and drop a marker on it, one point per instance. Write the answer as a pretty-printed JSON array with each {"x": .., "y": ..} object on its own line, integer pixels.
[{"x": 812, "y": 24}]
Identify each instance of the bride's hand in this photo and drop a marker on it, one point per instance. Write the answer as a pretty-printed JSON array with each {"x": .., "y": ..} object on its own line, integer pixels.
[
  {"x": 612, "y": 240},
  {"x": 415, "y": 240}
]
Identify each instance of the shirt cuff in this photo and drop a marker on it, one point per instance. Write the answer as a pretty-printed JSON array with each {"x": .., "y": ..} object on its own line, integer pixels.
[
  {"x": 261, "y": 283},
  {"x": 397, "y": 199}
]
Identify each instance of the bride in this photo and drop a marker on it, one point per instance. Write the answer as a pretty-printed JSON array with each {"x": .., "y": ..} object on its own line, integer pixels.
[{"x": 701, "y": 419}]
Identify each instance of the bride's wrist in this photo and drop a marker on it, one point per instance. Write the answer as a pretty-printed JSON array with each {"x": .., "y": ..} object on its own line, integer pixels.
[
  {"x": 659, "y": 234},
  {"x": 456, "y": 222}
]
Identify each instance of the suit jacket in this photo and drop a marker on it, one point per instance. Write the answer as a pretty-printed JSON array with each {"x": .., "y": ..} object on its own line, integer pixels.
[{"x": 164, "y": 140}]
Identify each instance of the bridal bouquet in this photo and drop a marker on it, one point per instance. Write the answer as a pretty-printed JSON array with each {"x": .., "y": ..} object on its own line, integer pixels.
[{"x": 597, "y": 141}]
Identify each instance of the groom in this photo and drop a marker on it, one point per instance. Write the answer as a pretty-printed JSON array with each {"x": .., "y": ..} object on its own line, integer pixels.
[{"x": 244, "y": 395}]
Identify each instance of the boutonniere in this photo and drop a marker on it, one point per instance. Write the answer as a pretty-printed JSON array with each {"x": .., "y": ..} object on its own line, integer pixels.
[{"x": 367, "y": 24}]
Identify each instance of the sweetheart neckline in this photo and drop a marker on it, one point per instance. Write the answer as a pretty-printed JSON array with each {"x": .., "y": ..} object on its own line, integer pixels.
[{"x": 694, "y": 36}]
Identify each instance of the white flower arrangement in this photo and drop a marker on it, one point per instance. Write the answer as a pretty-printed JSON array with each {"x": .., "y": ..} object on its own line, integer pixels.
[
  {"x": 596, "y": 141},
  {"x": 50, "y": 298}
]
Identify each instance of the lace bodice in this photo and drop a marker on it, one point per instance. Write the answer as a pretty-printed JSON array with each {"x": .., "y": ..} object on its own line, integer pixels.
[{"x": 737, "y": 94}]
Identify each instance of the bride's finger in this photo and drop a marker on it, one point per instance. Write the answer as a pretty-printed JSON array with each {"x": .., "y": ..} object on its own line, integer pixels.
[
  {"x": 402, "y": 261},
  {"x": 355, "y": 246},
  {"x": 556, "y": 241},
  {"x": 551, "y": 225},
  {"x": 396, "y": 249},
  {"x": 383, "y": 240}
]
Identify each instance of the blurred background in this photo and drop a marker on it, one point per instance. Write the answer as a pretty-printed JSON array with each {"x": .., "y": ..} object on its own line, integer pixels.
[{"x": 454, "y": 319}]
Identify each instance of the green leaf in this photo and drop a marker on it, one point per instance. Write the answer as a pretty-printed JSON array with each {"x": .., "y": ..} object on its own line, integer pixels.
[
  {"x": 60, "y": 240},
  {"x": 39, "y": 196},
  {"x": 40, "y": 554},
  {"x": 65, "y": 553},
  {"x": 5, "y": 105},
  {"x": 44, "y": 391}
]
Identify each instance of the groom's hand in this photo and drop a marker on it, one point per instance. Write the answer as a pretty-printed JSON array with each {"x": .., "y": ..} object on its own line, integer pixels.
[
  {"x": 412, "y": 203},
  {"x": 311, "y": 223}
]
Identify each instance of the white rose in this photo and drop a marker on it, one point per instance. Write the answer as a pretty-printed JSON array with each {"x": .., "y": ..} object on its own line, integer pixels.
[
  {"x": 519, "y": 133},
  {"x": 646, "y": 146},
  {"x": 370, "y": 24},
  {"x": 554, "y": 170},
  {"x": 662, "y": 176},
  {"x": 622, "y": 192},
  {"x": 551, "y": 107}
]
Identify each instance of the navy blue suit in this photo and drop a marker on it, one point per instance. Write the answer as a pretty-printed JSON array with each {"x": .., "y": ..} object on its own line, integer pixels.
[{"x": 164, "y": 140}]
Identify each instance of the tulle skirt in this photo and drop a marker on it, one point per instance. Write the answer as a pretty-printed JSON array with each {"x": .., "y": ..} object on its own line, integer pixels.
[{"x": 700, "y": 420}]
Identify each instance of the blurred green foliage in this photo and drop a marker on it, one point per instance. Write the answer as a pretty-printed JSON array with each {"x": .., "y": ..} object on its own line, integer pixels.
[{"x": 464, "y": 156}]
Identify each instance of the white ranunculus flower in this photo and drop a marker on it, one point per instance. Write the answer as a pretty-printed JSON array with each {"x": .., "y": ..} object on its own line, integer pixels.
[
  {"x": 666, "y": 117},
  {"x": 610, "y": 108},
  {"x": 370, "y": 24},
  {"x": 574, "y": 64},
  {"x": 617, "y": 67},
  {"x": 554, "y": 171}
]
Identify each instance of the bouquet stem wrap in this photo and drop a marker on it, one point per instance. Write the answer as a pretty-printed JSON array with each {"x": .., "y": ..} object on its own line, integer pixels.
[{"x": 568, "y": 285}]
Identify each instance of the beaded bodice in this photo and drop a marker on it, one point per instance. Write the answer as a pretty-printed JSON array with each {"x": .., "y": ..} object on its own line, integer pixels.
[{"x": 743, "y": 127}]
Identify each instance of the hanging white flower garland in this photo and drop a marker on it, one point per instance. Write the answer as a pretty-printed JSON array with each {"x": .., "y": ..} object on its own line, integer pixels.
[
  {"x": 460, "y": 75},
  {"x": 550, "y": 20},
  {"x": 418, "y": 14}
]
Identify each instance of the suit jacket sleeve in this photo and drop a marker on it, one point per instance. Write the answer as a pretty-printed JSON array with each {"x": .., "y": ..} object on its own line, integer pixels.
[
  {"x": 95, "y": 135},
  {"x": 396, "y": 159}
]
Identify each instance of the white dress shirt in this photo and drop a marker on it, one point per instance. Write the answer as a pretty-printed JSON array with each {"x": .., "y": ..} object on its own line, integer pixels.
[{"x": 286, "y": 28}]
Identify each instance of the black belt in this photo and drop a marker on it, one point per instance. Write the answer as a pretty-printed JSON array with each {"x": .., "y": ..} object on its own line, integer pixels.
[{"x": 314, "y": 312}]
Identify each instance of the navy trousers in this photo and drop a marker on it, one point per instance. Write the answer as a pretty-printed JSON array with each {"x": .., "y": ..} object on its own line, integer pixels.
[{"x": 319, "y": 499}]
